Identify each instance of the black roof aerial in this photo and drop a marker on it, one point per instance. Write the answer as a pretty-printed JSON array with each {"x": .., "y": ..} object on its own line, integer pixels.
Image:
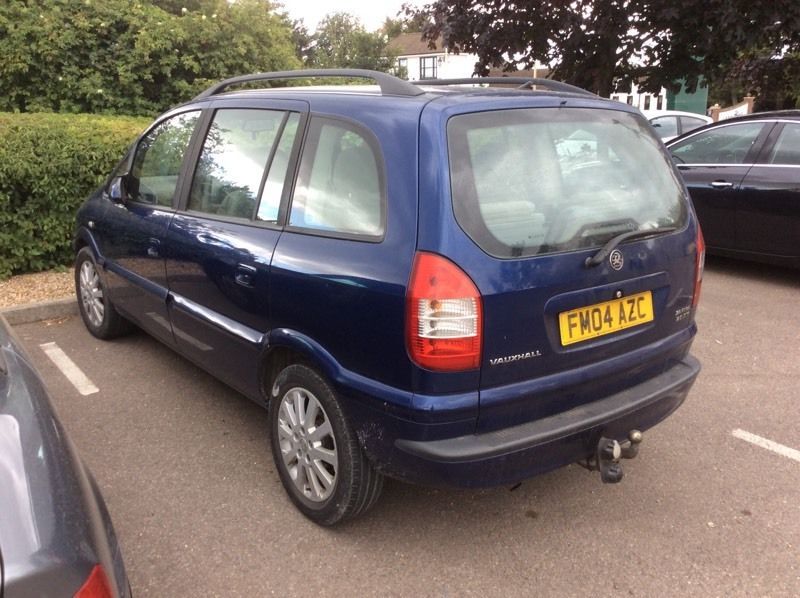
[{"x": 389, "y": 84}]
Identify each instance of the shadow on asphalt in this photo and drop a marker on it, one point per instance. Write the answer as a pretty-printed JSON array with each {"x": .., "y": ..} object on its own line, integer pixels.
[{"x": 788, "y": 277}]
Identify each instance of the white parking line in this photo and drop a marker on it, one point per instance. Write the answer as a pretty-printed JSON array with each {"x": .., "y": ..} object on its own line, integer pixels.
[
  {"x": 73, "y": 373},
  {"x": 767, "y": 444}
]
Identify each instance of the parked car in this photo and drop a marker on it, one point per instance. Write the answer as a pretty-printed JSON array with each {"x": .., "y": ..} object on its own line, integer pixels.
[
  {"x": 56, "y": 537},
  {"x": 743, "y": 175},
  {"x": 672, "y": 123},
  {"x": 445, "y": 285}
]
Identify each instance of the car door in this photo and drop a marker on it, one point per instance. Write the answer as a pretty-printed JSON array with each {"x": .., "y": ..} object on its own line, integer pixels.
[
  {"x": 713, "y": 163},
  {"x": 131, "y": 234},
  {"x": 768, "y": 218},
  {"x": 220, "y": 243}
]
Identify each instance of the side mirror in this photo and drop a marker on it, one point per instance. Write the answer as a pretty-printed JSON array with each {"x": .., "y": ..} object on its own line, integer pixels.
[{"x": 116, "y": 190}]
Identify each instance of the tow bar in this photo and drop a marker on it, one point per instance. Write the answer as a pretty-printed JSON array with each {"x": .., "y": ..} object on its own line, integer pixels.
[{"x": 608, "y": 454}]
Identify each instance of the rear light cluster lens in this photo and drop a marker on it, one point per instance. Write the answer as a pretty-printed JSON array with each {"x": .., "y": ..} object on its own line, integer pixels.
[
  {"x": 700, "y": 264},
  {"x": 96, "y": 585},
  {"x": 443, "y": 317}
]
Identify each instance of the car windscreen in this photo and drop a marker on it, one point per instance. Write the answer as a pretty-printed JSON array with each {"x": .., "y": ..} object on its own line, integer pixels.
[{"x": 543, "y": 180}]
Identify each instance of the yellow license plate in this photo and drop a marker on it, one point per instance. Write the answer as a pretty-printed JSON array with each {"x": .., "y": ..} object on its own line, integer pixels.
[{"x": 584, "y": 323}]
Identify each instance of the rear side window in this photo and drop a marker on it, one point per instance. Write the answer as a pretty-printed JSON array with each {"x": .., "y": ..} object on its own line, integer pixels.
[
  {"x": 340, "y": 187},
  {"x": 787, "y": 147},
  {"x": 232, "y": 164},
  {"x": 541, "y": 180},
  {"x": 689, "y": 124}
]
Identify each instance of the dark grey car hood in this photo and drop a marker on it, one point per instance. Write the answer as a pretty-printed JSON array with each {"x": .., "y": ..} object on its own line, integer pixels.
[{"x": 54, "y": 527}]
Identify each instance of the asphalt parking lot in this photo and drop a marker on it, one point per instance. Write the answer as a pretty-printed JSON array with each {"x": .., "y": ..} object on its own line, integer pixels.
[{"x": 185, "y": 467}]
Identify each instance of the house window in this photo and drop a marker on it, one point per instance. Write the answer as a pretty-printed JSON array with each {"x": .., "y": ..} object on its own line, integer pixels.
[
  {"x": 402, "y": 68},
  {"x": 427, "y": 67},
  {"x": 647, "y": 102},
  {"x": 659, "y": 102},
  {"x": 630, "y": 100}
]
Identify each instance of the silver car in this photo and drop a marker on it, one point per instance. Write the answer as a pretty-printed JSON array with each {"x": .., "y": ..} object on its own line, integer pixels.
[{"x": 56, "y": 537}]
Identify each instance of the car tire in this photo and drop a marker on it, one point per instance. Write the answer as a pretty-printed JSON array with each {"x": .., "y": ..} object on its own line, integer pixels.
[
  {"x": 97, "y": 312},
  {"x": 317, "y": 455}
]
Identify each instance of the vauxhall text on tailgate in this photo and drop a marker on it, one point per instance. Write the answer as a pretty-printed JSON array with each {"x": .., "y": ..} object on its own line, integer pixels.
[{"x": 441, "y": 284}]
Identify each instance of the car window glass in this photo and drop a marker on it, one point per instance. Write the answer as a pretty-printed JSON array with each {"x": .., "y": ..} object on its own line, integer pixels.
[
  {"x": 666, "y": 126},
  {"x": 787, "y": 147},
  {"x": 722, "y": 145},
  {"x": 158, "y": 160},
  {"x": 273, "y": 187},
  {"x": 340, "y": 186},
  {"x": 688, "y": 123},
  {"x": 232, "y": 162},
  {"x": 536, "y": 181}
]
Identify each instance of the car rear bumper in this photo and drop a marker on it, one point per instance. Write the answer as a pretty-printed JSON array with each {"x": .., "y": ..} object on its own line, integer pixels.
[{"x": 512, "y": 454}]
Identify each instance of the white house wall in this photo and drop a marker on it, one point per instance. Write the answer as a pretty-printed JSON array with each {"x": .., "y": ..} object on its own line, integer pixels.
[{"x": 448, "y": 66}]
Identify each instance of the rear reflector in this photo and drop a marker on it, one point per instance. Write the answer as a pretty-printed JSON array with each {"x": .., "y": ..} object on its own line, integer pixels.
[
  {"x": 96, "y": 585},
  {"x": 700, "y": 264},
  {"x": 443, "y": 316}
]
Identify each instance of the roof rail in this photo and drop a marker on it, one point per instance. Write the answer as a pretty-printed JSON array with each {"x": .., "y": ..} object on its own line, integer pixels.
[
  {"x": 522, "y": 82},
  {"x": 389, "y": 84}
]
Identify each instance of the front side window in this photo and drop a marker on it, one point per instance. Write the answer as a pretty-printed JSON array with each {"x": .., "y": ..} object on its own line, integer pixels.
[
  {"x": 665, "y": 126},
  {"x": 544, "y": 180},
  {"x": 340, "y": 187},
  {"x": 427, "y": 67},
  {"x": 158, "y": 160},
  {"x": 728, "y": 144},
  {"x": 231, "y": 166},
  {"x": 787, "y": 147}
]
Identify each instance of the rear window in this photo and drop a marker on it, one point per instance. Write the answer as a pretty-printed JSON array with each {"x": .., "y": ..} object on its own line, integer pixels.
[{"x": 545, "y": 180}]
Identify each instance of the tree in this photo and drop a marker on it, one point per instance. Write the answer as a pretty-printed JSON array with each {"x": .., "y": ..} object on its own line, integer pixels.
[
  {"x": 178, "y": 7},
  {"x": 408, "y": 20},
  {"x": 602, "y": 44},
  {"x": 773, "y": 80},
  {"x": 341, "y": 41},
  {"x": 117, "y": 56},
  {"x": 303, "y": 41}
]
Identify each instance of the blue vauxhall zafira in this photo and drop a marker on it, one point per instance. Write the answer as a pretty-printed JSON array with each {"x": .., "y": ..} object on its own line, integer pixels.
[{"x": 444, "y": 282}]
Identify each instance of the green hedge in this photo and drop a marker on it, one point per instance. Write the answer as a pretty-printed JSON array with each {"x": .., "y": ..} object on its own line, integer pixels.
[{"x": 48, "y": 164}]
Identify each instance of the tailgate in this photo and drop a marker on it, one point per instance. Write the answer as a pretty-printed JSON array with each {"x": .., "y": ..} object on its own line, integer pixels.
[{"x": 541, "y": 191}]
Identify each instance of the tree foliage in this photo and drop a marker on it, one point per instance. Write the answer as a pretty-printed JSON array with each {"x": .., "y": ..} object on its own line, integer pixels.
[
  {"x": 599, "y": 44},
  {"x": 341, "y": 41},
  {"x": 408, "y": 20},
  {"x": 118, "y": 56}
]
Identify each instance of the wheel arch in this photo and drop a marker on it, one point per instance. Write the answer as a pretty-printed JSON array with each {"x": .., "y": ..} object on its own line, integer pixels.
[
  {"x": 84, "y": 238},
  {"x": 285, "y": 347}
]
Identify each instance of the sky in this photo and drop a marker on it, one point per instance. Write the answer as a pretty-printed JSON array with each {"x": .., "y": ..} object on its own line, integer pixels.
[{"x": 371, "y": 12}]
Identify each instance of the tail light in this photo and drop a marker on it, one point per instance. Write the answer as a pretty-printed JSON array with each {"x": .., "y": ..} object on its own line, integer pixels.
[
  {"x": 96, "y": 585},
  {"x": 700, "y": 263},
  {"x": 443, "y": 316}
]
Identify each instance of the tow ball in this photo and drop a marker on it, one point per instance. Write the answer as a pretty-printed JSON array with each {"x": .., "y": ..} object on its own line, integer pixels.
[{"x": 607, "y": 456}]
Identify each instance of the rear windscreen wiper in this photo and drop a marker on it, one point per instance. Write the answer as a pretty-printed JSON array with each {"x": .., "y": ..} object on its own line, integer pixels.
[{"x": 612, "y": 243}]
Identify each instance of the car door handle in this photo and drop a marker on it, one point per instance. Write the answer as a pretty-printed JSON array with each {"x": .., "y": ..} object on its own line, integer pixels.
[
  {"x": 721, "y": 184},
  {"x": 245, "y": 276}
]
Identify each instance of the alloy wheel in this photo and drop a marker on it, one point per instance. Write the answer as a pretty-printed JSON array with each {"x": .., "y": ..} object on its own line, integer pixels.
[
  {"x": 308, "y": 447},
  {"x": 91, "y": 294}
]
